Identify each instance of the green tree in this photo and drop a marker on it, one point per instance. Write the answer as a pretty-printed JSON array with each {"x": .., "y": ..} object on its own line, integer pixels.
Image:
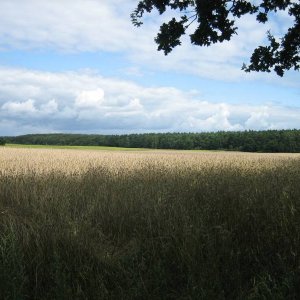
[
  {"x": 216, "y": 22},
  {"x": 2, "y": 141}
]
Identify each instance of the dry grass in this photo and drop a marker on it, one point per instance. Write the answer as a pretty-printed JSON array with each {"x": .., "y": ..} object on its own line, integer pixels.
[{"x": 148, "y": 225}]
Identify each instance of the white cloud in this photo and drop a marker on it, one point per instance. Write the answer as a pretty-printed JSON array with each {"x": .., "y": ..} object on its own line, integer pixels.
[
  {"x": 28, "y": 108},
  {"x": 75, "y": 102},
  {"x": 104, "y": 25},
  {"x": 50, "y": 107},
  {"x": 259, "y": 119},
  {"x": 19, "y": 107},
  {"x": 90, "y": 99},
  {"x": 80, "y": 25},
  {"x": 218, "y": 119},
  {"x": 135, "y": 104}
]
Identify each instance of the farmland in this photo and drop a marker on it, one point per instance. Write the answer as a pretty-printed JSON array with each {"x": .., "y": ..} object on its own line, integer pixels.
[
  {"x": 148, "y": 224},
  {"x": 107, "y": 148}
]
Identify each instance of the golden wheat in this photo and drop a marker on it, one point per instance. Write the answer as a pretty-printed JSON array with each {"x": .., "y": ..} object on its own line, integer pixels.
[
  {"x": 77, "y": 224},
  {"x": 76, "y": 162}
]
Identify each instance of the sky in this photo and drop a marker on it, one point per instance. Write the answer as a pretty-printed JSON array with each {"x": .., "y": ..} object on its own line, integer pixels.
[{"x": 80, "y": 66}]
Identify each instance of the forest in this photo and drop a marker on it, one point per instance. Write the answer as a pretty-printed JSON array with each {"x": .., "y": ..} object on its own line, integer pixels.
[{"x": 247, "y": 141}]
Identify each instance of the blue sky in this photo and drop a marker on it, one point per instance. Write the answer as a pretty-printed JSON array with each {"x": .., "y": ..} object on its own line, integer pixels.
[{"x": 81, "y": 66}]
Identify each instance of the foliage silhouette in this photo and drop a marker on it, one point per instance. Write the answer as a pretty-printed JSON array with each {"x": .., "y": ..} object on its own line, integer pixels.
[{"x": 216, "y": 22}]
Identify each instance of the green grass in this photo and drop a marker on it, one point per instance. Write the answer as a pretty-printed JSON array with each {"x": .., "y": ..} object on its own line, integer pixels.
[
  {"x": 105, "y": 148},
  {"x": 75, "y": 147},
  {"x": 219, "y": 233}
]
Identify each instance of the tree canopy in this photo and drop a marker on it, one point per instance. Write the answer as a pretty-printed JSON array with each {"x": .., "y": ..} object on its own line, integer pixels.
[{"x": 216, "y": 22}]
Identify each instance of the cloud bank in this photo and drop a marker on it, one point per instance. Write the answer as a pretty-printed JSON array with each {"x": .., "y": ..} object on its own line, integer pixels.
[{"x": 32, "y": 101}]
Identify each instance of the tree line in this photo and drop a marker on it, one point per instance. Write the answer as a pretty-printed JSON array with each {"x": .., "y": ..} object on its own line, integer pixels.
[{"x": 248, "y": 141}]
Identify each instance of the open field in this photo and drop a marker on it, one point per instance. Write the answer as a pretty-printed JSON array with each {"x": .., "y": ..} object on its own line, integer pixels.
[
  {"x": 75, "y": 147},
  {"x": 148, "y": 225},
  {"x": 100, "y": 148}
]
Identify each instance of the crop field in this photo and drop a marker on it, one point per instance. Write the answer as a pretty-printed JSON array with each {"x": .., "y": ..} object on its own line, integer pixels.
[{"x": 148, "y": 225}]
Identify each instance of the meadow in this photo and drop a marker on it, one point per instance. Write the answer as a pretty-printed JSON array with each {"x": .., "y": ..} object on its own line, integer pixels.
[
  {"x": 106, "y": 148},
  {"x": 148, "y": 224}
]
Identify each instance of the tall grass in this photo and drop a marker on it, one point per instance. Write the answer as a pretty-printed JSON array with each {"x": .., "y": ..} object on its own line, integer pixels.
[{"x": 78, "y": 225}]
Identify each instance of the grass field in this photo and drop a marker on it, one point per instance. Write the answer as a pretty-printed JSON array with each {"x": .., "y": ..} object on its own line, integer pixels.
[
  {"x": 148, "y": 225},
  {"x": 74, "y": 147},
  {"x": 103, "y": 148}
]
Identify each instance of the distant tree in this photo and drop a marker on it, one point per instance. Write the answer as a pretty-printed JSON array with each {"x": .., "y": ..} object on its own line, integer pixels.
[
  {"x": 2, "y": 141},
  {"x": 253, "y": 141},
  {"x": 216, "y": 22}
]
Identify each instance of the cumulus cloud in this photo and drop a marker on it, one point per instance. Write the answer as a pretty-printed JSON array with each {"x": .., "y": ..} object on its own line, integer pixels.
[
  {"x": 218, "y": 118},
  {"x": 90, "y": 99},
  {"x": 26, "y": 107},
  {"x": 88, "y": 102},
  {"x": 135, "y": 104},
  {"x": 259, "y": 119},
  {"x": 50, "y": 107}
]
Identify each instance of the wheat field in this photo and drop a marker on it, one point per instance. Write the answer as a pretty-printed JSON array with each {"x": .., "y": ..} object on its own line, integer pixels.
[{"x": 148, "y": 225}]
